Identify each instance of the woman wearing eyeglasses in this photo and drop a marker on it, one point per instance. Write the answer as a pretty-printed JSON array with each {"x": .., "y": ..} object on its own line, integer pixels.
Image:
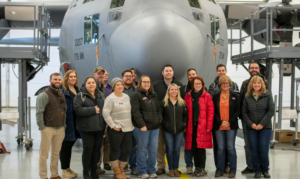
[
  {"x": 227, "y": 110},
  {"x": 146, "y": 114},
  {"x": 200, "y": 123}
]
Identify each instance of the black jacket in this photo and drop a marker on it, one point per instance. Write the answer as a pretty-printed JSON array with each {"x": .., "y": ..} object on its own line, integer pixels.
[
  {"x": 174, "y": 117},
  {"x": 234, "y": 111},
  {"x": 84, "y": 106},
  {"x": 260, "y": 111},
  {"x": 160, "y": 88},
  {"x": 145, "y": 110}
]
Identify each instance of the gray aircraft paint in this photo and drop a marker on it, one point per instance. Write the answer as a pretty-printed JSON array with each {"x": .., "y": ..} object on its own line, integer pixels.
[{"x": 146, "y": 36}]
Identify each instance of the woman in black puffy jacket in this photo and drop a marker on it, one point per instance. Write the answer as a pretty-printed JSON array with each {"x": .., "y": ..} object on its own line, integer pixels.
[{"x": 175, "y": 116}]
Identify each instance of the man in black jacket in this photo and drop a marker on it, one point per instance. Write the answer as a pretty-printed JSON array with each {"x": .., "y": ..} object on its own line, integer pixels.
[
  {"x": 99, "y": 75},
  {"x": 253, "y": 70},
  {"x": 160, "y": 88}
]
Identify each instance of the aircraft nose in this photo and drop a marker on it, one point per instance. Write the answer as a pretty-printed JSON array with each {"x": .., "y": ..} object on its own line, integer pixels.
[{"x": 153, "y": 39}]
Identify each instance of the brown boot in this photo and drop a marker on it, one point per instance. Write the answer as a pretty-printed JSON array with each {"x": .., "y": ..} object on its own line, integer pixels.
[
  {"x": 171, "y": 173},
  {"x": 122, "y": 169},
  {"x": 118, "y": 173},
  {"x": 176, "y": 173}
]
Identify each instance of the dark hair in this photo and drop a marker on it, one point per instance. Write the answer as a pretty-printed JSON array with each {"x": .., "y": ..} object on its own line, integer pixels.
[
  {"x": 167, "y": 65},
  {"x": 132, "y": 69},
  {"x": 221, "y": 65},
  {"x": 139, "y": 86},
  {"x": 123, "y": 73},
  {"x": 54, "y": 74},
  {"x": 86, "y": 79},
  {"x": 253, "y": 63},
  {"x": 190, "y": 69},
  {"x": 197, "y": 78}
]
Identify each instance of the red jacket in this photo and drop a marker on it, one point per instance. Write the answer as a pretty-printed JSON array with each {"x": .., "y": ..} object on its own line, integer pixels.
[{"x": 206, "y": 117}]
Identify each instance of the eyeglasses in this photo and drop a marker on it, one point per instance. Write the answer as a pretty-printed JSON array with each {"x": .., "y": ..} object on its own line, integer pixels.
[
  {"x": 254, "y": 68},
  {"x": 128, "y": 76},
  {"x": 146, "y": 82},
  {"x": 225, "y": 83},
  {"x": 197, "y": 84},
  {"x": 191, "y": 69}
]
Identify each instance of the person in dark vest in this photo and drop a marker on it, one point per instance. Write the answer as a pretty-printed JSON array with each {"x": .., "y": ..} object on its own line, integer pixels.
[
  {"x": 69, "y": 88},
  {"x": 253, "y": 70},
  {"x": 88, "y": 106},
  {"x": 160, "y": 88},
  {"x": 51, "y": 119}
]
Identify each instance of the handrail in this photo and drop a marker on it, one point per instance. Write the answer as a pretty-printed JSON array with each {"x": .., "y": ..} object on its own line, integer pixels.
[{"x": 268, "y": 30}]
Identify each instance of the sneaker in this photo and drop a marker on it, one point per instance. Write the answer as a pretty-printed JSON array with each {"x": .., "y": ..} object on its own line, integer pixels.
[
  {"x": 107, "y": 166},
  {"x": 145, "y": 176},
  {"x": 134, "y": 171},
  {"x": 218, "y": 174},
  {"x": 247, "y": 171},
  {"x": 231, "y": 175},
  {"x": 99, "y": 171},
  {"x": 266, "y": 174},
  {"x": 160, "y": 171},
  {"x": 189, "y": 170},
  {"x": 202, "y": 172},
  {"x": 126, "y": 168},
  {"x": 257, "y": 175},
  {"x": 153, "y": 175},
  {"x": 196, "y": 172},
  {"x": 68, "y": 174}
]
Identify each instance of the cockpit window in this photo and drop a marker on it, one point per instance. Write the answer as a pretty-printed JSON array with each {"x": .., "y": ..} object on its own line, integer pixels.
[
  {"x": 85, "y": 1},
  {"x": 117, "y": 3},
  {"x": 195, "y": 3}
]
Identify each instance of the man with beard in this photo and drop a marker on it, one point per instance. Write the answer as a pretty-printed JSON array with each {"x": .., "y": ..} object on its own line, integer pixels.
[
  {"x": 160, "y": 88},
  {"x": 254, "y": 70},
  {"x": 99, "y": 76},
  {"x": 129, "y": 89},
  {"x": 51, "y": 119},
  {"x": 214, "y": 88}
]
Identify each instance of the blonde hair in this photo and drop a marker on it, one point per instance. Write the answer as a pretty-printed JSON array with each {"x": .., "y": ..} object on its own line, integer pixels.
[
  {"x": 180, "y": 101},
  {"x": 263, "y": 89},
  {"x": 223, "y": 79},
  {"x": 66, "y": 79}
]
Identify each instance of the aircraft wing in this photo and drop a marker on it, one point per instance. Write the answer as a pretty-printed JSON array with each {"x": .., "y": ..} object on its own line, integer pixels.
[
  {"x": 27, "y": 41},
  {"x": 14, "y": 12}
]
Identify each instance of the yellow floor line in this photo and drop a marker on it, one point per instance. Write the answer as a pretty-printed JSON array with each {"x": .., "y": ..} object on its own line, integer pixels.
[{"x": 183, "y": 175}]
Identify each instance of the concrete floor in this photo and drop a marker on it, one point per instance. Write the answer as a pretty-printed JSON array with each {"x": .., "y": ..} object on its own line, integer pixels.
[{"x": 22, "y": 164}]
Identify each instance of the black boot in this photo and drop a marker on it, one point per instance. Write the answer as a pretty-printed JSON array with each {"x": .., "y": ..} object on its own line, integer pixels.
[
  {"x": 257, "y": 175},
  {"x": 86, "y": 175},
  {"x": 266, "y": 174},
  {"x": 247, "y": 171}
]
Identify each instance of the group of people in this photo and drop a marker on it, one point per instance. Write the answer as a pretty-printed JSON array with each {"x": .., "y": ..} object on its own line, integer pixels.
[{"x": 138, "y": 123}]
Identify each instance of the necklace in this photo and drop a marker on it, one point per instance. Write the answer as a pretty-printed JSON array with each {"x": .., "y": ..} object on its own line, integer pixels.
[{"x": 224, "y": 99}]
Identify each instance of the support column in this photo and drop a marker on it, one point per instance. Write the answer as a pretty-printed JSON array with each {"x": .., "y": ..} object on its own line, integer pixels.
[
  {"x": 20, "y": 105},
  {"x": 0, "y": 94},
  {"x": 292, "y": 122},
  {"x": 280, "y": 93},
  {"x": 269, "y": 64}
]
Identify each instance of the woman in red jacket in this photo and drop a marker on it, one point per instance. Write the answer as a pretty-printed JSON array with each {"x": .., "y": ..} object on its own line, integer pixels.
[{"x": 200, "y": 123}]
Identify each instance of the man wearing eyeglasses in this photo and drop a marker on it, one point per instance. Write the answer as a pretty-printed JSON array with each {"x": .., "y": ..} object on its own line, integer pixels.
[
  {"x": 253, "y": 70},
  {"x": 160, "y": 88},
  {"x": 129, "y": 89}
]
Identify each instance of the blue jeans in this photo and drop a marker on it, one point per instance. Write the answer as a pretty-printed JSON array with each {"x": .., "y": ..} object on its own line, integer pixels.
[
  {"x": 248, "y": 152},
  {"x": 148, "y": 144},
  {"x": 259, "y": 143},
  {"x": 173, "y": 142},
  {"x": 188, "y": 157},
  {"x": 135, "y": 139},
  {"x": 226, "y": 141}
]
